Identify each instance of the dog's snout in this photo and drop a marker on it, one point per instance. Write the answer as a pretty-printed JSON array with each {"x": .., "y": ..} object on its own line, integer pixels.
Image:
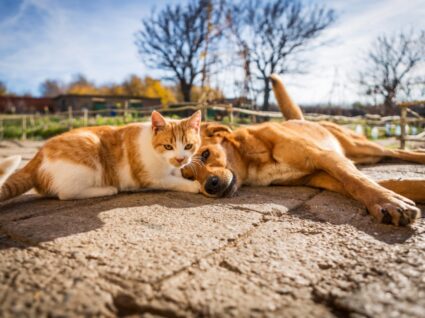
[{"x": 212, "y": 185}]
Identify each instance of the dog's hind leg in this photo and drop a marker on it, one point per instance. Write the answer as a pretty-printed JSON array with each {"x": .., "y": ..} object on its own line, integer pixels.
[
  {"x": 369, "y": 152},
  {"x": 411, "y": 189},
  {"x": 359, "y": 149}
]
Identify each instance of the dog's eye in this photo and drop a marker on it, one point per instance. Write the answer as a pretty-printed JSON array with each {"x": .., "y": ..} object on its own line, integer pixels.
[
  {"x": 205, "y": 154},
  {"x": 188, "y": 146},
  {"x": 168, "y": 147}
]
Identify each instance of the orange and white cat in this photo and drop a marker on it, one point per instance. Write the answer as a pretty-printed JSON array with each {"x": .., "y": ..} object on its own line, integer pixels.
[{"x": 101, "y": 161}]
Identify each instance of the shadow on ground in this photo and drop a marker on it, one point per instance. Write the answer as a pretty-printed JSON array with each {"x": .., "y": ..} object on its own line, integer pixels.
[{"x": 32, "y": 220}]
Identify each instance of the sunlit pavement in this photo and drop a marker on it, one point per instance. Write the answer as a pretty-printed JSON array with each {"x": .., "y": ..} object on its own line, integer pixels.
[{"x": 276, "y": 251}]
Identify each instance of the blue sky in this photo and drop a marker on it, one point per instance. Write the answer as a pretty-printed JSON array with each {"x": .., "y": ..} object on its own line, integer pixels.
[{"x": 42, "y": 39}]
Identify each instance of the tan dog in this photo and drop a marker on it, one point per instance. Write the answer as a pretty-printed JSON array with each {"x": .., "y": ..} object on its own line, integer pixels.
[{"x": 298, "y": 152}]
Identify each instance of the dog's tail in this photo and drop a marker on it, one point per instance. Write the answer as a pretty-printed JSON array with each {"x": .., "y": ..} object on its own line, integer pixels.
[
  {"x": 289, "y": 109},
  {"x": 13, "y": 184}
]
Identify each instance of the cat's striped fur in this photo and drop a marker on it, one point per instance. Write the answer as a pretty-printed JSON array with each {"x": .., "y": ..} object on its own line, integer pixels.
[{"x": 101, "y": 161}]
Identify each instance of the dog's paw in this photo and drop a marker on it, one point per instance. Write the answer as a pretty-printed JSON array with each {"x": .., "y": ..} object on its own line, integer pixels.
[{"x": 394, "y": 209}]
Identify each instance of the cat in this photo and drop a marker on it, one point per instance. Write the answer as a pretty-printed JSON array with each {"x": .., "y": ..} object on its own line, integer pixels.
[{"x": 102, "y": 161}]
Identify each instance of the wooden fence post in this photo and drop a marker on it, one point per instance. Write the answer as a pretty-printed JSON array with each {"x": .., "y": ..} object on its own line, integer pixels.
[
  {"x": 125, "y": 111},
  {"x": 24, "y": 128},
  {"x": 204, "y": 112},
  {"x": 70, "y": 118},
  {"x": 32, "y": 121},
  {"x": 230, "y": 112},
  {"x": 85, "y": 117},
  {"x": 403, "y": 120},
  {"x": 1, "y": 129},
  {"x": 45, "y": 119}
]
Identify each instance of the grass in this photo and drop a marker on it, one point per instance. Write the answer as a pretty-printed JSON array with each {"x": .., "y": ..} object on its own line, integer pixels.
[{"x": 43, "y": 127}]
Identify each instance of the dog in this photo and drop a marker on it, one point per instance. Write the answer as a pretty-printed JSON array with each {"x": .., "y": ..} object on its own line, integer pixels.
[{"x": 299, "y": 152}]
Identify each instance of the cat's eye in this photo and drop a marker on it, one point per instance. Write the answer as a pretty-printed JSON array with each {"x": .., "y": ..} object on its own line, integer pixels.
[
  {"x": 188, "y": 146},
  {"x": 205, "y": 154},
  {"x": 168, "y": 147}
]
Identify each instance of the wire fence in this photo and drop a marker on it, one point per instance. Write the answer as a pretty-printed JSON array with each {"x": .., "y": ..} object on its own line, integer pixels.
[{"x": 46, "y": 125}]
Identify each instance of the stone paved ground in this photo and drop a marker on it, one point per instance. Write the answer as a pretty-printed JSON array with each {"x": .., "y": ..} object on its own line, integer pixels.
[{"x": 270, "y": 252}]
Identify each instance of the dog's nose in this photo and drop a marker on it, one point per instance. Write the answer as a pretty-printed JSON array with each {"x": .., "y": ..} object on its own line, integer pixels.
[
  {"x": 179, "y": 159},
  {"x": 212, "y": 185}
]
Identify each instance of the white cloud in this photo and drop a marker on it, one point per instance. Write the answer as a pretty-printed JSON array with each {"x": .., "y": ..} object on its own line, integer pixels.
[
  {"x": 359, "y": 23},
  {"x": 100, "y": 43}
]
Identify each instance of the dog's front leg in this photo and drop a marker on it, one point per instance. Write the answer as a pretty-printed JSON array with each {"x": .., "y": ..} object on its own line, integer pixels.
[{"x": 385, "y": 205}]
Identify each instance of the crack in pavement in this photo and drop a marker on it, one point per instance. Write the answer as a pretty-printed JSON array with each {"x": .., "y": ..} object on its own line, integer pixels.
[{"x": 127, "y": 304}]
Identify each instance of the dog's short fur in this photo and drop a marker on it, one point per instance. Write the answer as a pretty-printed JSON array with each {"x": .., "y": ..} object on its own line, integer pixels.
[{"x": 299, "y": 152}]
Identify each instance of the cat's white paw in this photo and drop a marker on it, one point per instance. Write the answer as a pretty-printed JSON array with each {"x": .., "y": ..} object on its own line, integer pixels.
[
  {"x": 176, "y": 173},
  {"x": 110, "y": 190},
  {"x": 194, "y": 187}
]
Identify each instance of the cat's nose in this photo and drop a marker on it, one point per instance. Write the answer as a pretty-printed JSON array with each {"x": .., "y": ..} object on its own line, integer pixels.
[{"x": 180, "y": 159}]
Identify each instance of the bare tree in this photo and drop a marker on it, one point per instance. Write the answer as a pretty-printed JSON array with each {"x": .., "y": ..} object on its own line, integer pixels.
[
  {"x": 392, "y": 62},
  {"x": 52, "y": 88},
  {"x": 272, "y": 32},
  {"x": 3, "y": 89},
  {"x": 178, "y": 38}
]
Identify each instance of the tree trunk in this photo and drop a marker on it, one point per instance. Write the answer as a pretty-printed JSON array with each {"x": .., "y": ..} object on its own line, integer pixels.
[
  {"x": 267, "y": 90},
  {"x": 389, "y": 104},
  {"x": 186, "y": 90}
]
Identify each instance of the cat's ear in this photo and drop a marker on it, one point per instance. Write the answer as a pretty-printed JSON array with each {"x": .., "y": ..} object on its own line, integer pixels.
[
  {"x": 158, "y": 122},
  {"x": 195, "y": 120}
]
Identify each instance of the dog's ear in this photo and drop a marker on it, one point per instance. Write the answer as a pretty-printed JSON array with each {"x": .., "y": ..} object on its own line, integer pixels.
[{"x": 214, "y": 130}]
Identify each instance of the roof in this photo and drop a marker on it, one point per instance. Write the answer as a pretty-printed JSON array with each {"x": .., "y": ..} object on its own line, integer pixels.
[
  {"x": 107, "y": 96},
  {"x": 26, "y": 98},
  {"x": 25, "y": 101}
]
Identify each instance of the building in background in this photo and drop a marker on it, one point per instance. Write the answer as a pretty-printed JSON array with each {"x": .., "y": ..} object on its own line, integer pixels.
[
  {"x": 61, "y": 103},
  {"x": 25, "y": 105}
]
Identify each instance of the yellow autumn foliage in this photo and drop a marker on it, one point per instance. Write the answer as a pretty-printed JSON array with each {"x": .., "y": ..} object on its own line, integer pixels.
[
  {"x": 154, "y": 88},
  {"x": 132, "y": 86}
]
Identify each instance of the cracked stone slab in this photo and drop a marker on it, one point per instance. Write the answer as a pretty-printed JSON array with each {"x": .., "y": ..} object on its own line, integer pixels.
[
  {"x": 135, "y": 235},
  {"x": 315, "y": 269},
  {"x": 215, "y": 291},
  {"x": 38, "y": 283},
  {"x": 21, "y": 144},
  {"x": 376, "y": 273},
  {"x": 394, "y": 171},
  {"x": 30, "y": 205},
  {"x": 274, "y": 200},
  {"x": 257, "y": 276},
  {"x": 26, "y": 149},
  {"x": 277, "y": 251},
  {"x": 135, "y": 240},
  {"x": 336, "y": 209},
  {"x": 26, "y": 152}
]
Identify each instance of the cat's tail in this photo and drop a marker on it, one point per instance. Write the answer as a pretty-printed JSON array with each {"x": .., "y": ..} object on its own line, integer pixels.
[
  {"x": 289, "y": 109},
  {"x": 13, "y": 183}
]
